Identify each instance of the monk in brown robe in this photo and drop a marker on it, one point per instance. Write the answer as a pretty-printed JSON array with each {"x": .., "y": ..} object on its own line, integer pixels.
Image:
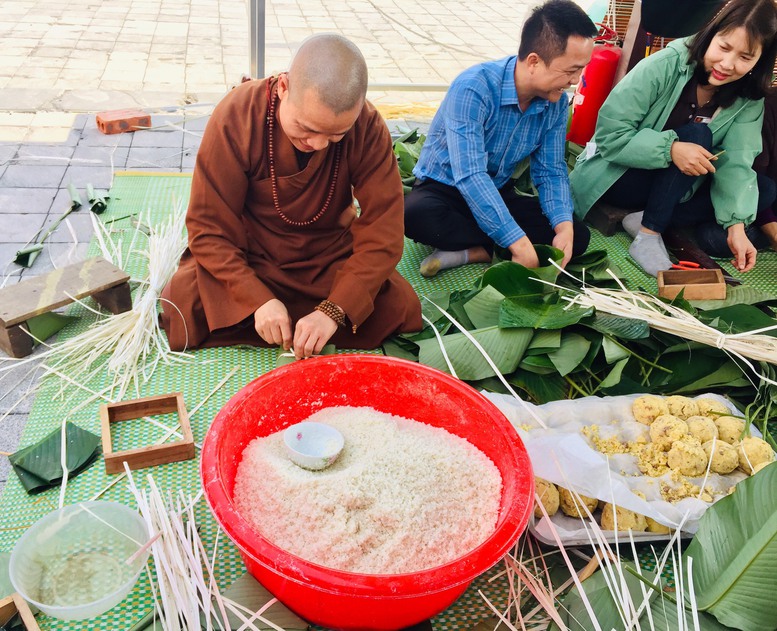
[{"x": 278, "y": 254}]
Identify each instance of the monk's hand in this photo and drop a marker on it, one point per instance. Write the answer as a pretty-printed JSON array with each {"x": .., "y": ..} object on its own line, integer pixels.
[
  {"x": 312, "y": 333},
  {"x": 523, "y": 253},
  {"x": 273, "y": 324},
  {"x": 743, "y": 250},
  {"x": 565, "y": 236},
  {"x": 691, "y": 159}
]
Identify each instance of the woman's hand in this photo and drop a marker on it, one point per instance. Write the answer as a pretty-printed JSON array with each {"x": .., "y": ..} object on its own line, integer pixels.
[
  {"x": 691, "y": 159},
  {"x": 744, "y": 252}
]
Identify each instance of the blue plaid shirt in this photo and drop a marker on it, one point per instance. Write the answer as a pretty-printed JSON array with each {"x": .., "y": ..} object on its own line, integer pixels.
[{"x": 478, "y": 137}]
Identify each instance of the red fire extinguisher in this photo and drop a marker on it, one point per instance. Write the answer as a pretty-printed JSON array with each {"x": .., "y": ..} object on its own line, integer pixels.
[{"x": 594, "y": 86}]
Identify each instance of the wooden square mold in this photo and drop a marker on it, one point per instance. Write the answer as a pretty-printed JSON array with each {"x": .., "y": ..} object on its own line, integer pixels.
[{"x": 152, "y": 455}]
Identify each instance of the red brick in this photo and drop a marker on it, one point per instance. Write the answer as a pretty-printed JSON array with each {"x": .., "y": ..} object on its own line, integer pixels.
[{"x": 118, "y": 121}]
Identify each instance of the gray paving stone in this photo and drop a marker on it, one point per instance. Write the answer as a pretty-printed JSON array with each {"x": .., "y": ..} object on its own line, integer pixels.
[
  {"x": 7, "y": 152},
  {"x": 159, "y": 158},
  {"x": 196, "y": 122},
  {"x": 165, "y": 121},
  {"x": 40, "y": 155},
  {"x": 161, "y": 137},
  {"x": 23, "y": 227},
  {"x": 10, "y": 437},
  {"x": 192, "y": 140},
  {"x": 15, "y": 200},
  {"x": 97, "y": 176},
  {"x": 56, "y": 255},
  {"x": 187, "y": 164},
  {"x": 93, "y": 137},
  {"x": 101, "y": 156},
  {"x": 82, "y": 119},
  {"x": 7, "y": 267},
  {"x": 20, "y": 175},
  {"x": 80, "y": 222},
  {"x": 17, "y": 388}
]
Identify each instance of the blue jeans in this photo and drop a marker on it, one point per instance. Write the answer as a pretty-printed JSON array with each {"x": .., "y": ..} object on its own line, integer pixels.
[{"x": 658, "y": 192}]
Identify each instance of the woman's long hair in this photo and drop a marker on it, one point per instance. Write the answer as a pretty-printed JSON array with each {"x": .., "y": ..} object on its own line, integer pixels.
[{"x": 759, "y": 19}]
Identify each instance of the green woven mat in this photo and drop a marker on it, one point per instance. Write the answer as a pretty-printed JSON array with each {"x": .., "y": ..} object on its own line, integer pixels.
[{"x": 152, "y": 197}]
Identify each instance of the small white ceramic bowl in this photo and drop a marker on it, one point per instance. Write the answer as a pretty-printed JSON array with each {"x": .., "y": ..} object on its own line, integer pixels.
[{"x": 312, "y": 445}]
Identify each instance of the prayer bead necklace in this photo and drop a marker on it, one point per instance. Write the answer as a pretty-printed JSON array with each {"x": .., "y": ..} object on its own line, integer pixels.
[{"x": 271, "y": 101}]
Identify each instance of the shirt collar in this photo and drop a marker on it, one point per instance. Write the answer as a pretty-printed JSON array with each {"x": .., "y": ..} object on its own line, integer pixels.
[{"x": 509, "y": 91}]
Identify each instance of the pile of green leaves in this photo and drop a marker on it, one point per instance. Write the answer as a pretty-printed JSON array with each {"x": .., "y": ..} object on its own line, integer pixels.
[
  {"x": 550, "y": 351},
  {"x": 407, "y": 148}
]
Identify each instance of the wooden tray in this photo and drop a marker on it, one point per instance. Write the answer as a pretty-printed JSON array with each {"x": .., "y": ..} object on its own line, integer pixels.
[{"x": 697, "y": 284}]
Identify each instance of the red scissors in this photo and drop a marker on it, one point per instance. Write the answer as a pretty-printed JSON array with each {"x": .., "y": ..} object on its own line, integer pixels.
[{"x": 686, "y": 265}]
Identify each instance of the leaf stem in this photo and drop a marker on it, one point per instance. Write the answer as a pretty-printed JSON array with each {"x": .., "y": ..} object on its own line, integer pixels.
[
  {"x": 575, "y": 387},
  {"x": 653, "y": 586},
  {"x": 644, "y": 360}
]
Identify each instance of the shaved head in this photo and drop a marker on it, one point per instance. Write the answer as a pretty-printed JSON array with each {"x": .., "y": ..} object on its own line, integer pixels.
[{"x": 334, "y": 68}]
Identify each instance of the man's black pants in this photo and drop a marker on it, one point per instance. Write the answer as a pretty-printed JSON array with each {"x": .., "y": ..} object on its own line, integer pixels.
[{"x": 438, "y": 215}]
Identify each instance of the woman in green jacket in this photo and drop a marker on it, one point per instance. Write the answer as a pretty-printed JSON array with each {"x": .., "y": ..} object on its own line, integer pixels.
[{"x": 678, "y": 136}]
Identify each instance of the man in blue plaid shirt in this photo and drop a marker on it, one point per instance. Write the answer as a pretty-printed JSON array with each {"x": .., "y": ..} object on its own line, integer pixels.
[{"x": 495, "y": 115}]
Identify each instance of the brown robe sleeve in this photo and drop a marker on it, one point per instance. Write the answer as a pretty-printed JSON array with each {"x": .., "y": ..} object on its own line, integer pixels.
[
  {"x": 378, "y": 232},
  {"x": 229, "y": 287}
]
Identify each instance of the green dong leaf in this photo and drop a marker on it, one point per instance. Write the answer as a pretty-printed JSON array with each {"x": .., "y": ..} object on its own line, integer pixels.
[
  {"x": 540, "y": 312},
  {"x": 505, "y": 347},
  {"x": 735, "y": 555}
]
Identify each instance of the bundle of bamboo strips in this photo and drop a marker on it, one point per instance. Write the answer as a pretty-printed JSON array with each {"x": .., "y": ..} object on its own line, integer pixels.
[
  {"x": 186, "y": 592},
  {"x": 130, "y": 344},
  {"x": 669, "y": 318}
]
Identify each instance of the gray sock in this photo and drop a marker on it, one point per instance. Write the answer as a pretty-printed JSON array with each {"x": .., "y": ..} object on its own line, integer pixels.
[
  {"x": 649, "y": 252},
  {"x": 632, "y": 223},
  {"x": 443, "y": 259}
]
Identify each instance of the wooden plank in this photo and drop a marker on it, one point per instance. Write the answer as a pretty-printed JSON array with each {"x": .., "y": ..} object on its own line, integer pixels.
[
  {"x": 151, "y": 455},
  {"x": 7, "y": 610},
  {"x": 138, "y": 408},
  {"x": 15, "y": 341},
  {"x": 43, "y": 293},
  {"x": 116, "y": 299},
  {"x": 14, "y": 604},
  {"x": 25, "y": 613}
]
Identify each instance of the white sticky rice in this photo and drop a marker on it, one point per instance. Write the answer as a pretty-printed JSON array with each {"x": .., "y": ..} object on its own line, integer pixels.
[{"x": 403, "y": 496}]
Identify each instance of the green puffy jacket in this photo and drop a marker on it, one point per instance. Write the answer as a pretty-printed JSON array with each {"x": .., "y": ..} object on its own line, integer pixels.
[{"x": 628, "y": 135}]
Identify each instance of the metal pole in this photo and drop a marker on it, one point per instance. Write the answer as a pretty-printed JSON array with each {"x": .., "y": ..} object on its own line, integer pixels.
[{"x": 256, "y": 17}]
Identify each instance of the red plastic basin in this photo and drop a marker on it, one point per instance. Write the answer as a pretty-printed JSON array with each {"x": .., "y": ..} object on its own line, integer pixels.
[{"x": 287, "y": 395}]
